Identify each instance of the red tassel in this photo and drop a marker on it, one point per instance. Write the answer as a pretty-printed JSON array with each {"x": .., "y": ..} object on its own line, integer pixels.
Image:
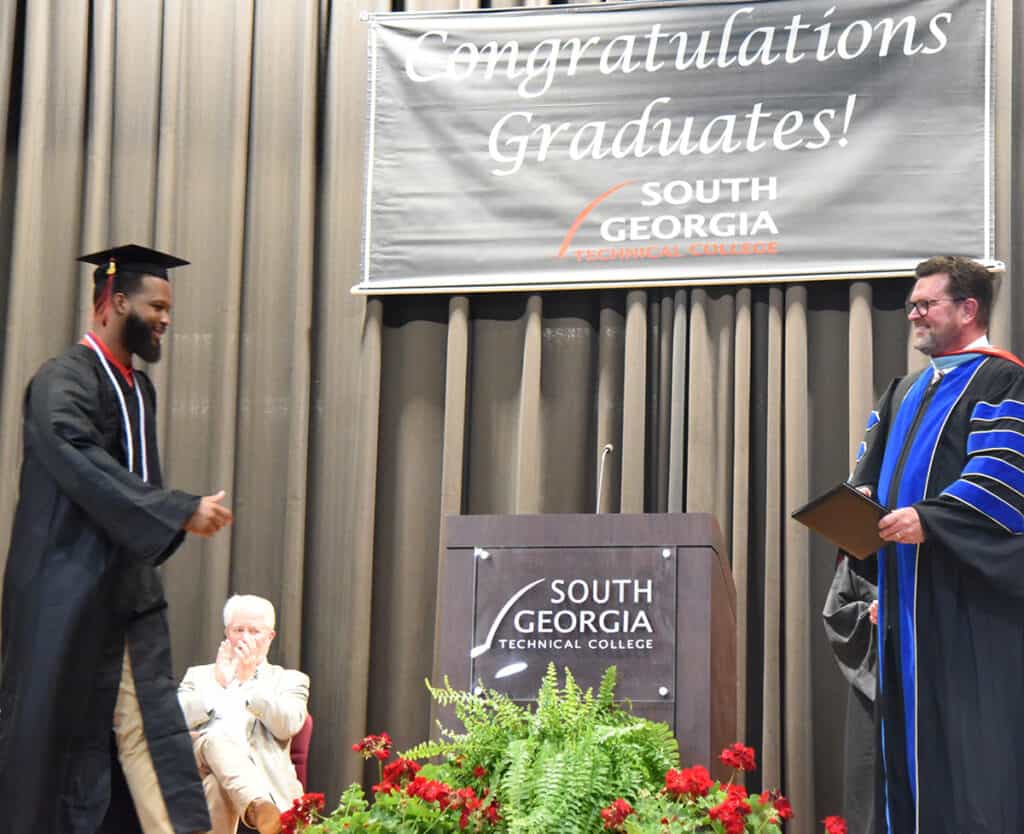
[{"x": 108, "y": 290}]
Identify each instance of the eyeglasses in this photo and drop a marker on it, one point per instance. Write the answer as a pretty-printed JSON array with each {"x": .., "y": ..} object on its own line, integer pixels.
[{"x": 925, "y": 304}]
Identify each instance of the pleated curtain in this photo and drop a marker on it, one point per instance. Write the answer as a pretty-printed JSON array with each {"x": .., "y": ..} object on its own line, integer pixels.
[{"x": 344, "y": 429}]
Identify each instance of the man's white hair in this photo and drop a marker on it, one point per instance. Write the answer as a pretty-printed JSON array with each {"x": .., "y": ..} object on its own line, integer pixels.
[{"x": 249, "y": 602}]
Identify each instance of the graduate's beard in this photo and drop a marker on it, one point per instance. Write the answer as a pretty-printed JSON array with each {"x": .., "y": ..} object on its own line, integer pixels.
[{"x": 138, "y": 338}]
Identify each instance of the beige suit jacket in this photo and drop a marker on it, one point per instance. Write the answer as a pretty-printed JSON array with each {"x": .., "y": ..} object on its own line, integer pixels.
[{"x": 276, "y": 699}]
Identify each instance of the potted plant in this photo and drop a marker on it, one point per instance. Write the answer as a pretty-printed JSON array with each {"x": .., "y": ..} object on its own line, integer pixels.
[{"x": 576, "y": 764}]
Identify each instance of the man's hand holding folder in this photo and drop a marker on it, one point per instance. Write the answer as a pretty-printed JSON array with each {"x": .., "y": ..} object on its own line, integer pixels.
[{"x": 902, "y": 526}]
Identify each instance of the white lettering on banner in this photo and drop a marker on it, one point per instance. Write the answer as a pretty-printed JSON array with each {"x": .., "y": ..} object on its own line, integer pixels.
[
  {"x": 515, "y": 139},
  {"x": 735, "y": 189},
  {"x": 670, "y": 227},
  {"x": 623, "y": 53},
  {"x": 540, "y": 63}
]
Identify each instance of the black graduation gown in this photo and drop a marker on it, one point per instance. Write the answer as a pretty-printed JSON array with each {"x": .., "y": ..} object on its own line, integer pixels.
[
  {"x": 950, "y": 706},
  {"x": 852, "y": 638},
  {"x": 81, "y": 584}
]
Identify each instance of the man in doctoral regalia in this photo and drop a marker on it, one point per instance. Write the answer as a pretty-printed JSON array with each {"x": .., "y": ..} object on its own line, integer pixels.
[
  {"x": 945, "y": 451},
  {"x": 88, "y": 702}
]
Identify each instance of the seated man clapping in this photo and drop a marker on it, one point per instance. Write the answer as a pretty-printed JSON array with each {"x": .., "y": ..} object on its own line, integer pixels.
[{"x": 243, "y": 713}]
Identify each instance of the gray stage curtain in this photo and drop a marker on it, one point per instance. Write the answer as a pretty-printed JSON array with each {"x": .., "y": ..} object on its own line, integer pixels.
[{"x": 344, "y": 429}]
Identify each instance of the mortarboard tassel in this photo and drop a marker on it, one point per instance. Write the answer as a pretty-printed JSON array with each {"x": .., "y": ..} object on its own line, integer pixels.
[{"x": 108, "y": 289}]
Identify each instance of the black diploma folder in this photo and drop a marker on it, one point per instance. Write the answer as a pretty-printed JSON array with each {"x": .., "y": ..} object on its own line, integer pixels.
[{"x": 846, "y": 517}]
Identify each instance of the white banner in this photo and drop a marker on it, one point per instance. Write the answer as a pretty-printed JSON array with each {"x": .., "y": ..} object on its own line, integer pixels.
[{"x": 672, "y": 142}]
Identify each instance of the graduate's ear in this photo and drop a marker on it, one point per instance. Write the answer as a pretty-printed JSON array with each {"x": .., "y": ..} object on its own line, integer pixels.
[{"x": 119, "y": 301}]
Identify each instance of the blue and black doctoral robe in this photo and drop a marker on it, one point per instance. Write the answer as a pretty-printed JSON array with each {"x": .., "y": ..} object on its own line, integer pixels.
[
  {"x": 950, "y": 705},
  {"x": 81, "y": 585}
]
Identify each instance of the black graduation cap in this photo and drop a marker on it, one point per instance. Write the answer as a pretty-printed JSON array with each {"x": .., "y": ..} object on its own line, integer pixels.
[{"x": 131, "y": 257}]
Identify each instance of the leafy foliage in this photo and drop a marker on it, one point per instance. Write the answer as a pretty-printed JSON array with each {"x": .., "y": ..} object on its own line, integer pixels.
[
  {"x": 554, "y": 768},
  {"x": 578, "y": 764}
]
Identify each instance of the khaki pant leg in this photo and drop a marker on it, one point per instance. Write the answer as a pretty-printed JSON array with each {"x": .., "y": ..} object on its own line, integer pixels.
[
  {"x": 223, "y": 816},
  {"x": 133, "y": 753},
  {"x": 226, "y": 763}
]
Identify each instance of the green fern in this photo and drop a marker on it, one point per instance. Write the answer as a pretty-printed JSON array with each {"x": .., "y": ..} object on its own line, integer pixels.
[
  {"x": 606, "y": 692},
  {"x": 553, "y": 768}
]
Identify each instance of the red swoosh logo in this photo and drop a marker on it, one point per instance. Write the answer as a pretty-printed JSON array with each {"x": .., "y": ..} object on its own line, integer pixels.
[{"x": 583, "y": 215}]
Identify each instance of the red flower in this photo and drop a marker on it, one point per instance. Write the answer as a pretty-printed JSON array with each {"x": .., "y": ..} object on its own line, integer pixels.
[
  {"x": 784, "y": 809},
  {"x": 615, "y": 814},
  {"x": 735, "y": 792},
  {"x": 307, "y": 802},
  {"x": 479, "y": 772},
  {"x": 400, "y": 771},
  {"x": 732, "y": 814},
  {"x": 374, "y": 747},
  {"x": 835, "y": 825},
  {"x": 738, "y": 757},
  {"x": 304, "y": 810},
  {"x": 385, "y": 787},
  {"x": 691, "y": 781},
  {"x": 466, "y": 800},
  {"x": 430, "y": 791}
]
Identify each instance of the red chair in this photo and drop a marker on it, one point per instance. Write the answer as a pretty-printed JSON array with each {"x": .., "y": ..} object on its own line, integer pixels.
[{"x": 300, "y": 749}]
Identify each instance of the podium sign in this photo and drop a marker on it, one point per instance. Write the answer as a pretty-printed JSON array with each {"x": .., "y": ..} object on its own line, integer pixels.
[
  {"x": 585, "y": 608},
  {"x": 649, "y": 594}
]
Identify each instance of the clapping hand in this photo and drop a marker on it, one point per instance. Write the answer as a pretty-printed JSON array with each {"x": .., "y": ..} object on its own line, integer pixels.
[
  {"x": 246, "y": 657},
  {"x": 225, "y": 668}
]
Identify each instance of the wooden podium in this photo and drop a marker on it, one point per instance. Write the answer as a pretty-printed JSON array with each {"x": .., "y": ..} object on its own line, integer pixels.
[{"x": 650, "y": 594}]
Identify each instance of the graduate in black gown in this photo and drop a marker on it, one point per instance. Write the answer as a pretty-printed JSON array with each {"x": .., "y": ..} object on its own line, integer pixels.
[
  {"x": 945, "y": 451},
  {"x": 88, "y": 701}
]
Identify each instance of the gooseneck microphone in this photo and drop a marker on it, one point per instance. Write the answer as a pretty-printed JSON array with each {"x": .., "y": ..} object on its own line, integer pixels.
[{"x": 600, "y": 474}]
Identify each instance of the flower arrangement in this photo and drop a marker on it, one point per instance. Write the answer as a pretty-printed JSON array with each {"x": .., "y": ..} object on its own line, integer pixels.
[
  {"x": 692, "y": 801},
  {"x": 578, "y": 764},
  {"x": 410, "y": 803}
]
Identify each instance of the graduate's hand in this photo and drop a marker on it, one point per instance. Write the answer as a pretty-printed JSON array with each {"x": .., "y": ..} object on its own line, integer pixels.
[
  {"x": 225, "y": 665},
  {"x": 864, "y": 490},
  {"x": 873, "y": 612},
  {"x": 902, "y": 526},
  {"x": 210, "y": 516}
]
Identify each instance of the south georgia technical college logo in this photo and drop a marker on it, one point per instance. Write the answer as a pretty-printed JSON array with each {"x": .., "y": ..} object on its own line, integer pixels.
[{"x": 641, "y": 221}]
